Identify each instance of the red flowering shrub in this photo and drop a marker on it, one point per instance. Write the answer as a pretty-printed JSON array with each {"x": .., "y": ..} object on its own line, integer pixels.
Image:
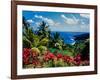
[
  {"x": 35, "y": 62},
  {"x": 50, "y": 59},
  {"x": 26, "y": 55},
  {"x": 77, "y": 59},
  {"x": 29, "y": 57},
  {"x": 49, "y": 56},
  {"x": 59, "y": 56},
  {"x": 67, "y": 58}
]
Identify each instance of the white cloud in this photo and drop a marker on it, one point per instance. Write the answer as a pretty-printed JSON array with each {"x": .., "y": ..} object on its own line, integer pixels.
[
  {"x": 70, "y": 21},
  {"x": 83, "y": 23},
  {"x": 85, "y": 15},
  {"x": 75, "y": 24},
  {"x": 36, "y": 16},
  {"x": 48, "y": 20},
  {"x": 30, "y": 21},
  {"x": 84, "y": 28},
  {"x": 37, "y": 23}
]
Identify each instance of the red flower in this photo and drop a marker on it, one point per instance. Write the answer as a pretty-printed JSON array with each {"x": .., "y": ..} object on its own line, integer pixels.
[
  {"x": 68, "y": 59},
  {"x": 26, "y": 54},
  {"x": 34, "y": 54},
  {"x": 35, "y": 62},
  {"x": 77, "y": 59},
  {"x": 26, "y": 60},
  {"x": 59, "y": 56},
  {"x": 49, "y": 56},
  {"x": 46, "y": 58}
]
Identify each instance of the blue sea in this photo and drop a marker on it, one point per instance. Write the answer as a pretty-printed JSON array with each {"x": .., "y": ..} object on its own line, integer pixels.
[{"x": 69, "y": 36}]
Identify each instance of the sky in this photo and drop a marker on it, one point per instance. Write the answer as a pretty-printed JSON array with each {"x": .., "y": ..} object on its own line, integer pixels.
[{"x": 59, "y": 21}]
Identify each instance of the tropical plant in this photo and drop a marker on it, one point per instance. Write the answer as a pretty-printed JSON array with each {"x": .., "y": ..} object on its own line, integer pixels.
[
  {"x": 56, "y": 41},
  {"x": 85, "y": 51},
  {"x": 42, "y": 49},
  {"x": 43, "y": 30},
  {"x": 27, "y": 34}
]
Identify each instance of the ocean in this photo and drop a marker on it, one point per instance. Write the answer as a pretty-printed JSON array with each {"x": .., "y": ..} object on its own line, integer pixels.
[{"x": 69, "y": 36}]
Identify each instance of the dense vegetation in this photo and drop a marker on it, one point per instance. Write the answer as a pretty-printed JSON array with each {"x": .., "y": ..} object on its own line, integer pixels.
[{"x": 41, "y": 49}]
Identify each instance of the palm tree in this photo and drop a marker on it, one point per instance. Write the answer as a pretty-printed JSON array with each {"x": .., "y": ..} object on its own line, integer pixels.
[
  {"x": 43, "y": 30},
  {"x": 27, "y": 34},
  {"x": 56, "y": 41}
]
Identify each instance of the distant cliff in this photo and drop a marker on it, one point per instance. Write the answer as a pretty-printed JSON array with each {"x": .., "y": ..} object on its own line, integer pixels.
[{"x": 82, "y": 36}]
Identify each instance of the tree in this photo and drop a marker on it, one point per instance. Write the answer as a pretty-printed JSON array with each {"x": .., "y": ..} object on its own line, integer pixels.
[
  {"x": 43, "y": 30},
  {"x": 27, "y": 34},
  {"x": 56, "y": 41},
  {"x": 85, "y": 52}
]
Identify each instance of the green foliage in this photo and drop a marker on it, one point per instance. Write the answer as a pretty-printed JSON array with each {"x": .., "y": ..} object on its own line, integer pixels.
[
  {"x": 64, "y": 52},
  {"x": 27, "y": 35},
  {"x": 44, "y": 41},
  {"x": 48, "y": 64},
  {"x": 26, "y": 42},
  {"x": 85, "y": 51},
  {"x": 43, "y": 30},
  {"x": 31, "y": 40},
  {"x": 42, "y": 38},
  {"x": 29, "y": 66},
  {"x": 36, "y": 50},
  {"x": 56, "y": 41},
  {"x": 81, "y": 47},
  {"x": 43, "y": 49},
  {"x": 36, "y": 41},
  {"x": 59, "y": 63}
]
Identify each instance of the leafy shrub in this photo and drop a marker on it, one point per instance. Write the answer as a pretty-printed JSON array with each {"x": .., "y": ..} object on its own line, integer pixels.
[
  {"x": 43, "y": 49},
  {"x": 35, "y": 50}
]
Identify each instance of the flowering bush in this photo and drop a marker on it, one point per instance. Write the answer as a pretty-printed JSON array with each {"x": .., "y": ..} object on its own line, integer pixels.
[
  {"x": 49, "y": 56},
  {"x": 59, "y": 55},
  {"x": 31, "y": 57},
  {"x": 77, "y": 59},
  {"x": 26, "y": 54}
]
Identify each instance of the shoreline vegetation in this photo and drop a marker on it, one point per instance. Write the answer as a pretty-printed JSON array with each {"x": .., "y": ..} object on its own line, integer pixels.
[{"x": 43, "y": 50}]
